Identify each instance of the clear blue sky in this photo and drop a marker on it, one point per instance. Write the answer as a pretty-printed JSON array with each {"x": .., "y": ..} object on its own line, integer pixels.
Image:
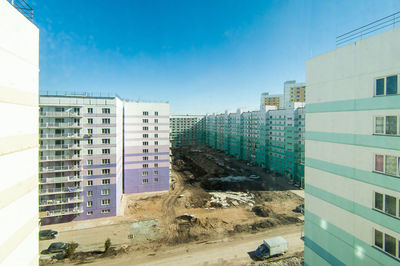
[{"x": 200, "y": 56}]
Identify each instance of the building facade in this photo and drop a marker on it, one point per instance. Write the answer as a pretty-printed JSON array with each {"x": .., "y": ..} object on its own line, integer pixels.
[
  {"x": 146, "y": 147},
  {"x": 187, "y": 130},
  {"x": 19, "y": 140},
  {"x": 272, "y": 100},
  {"x": 294, "y": 92},
  {"x": 353, "y": 153}
]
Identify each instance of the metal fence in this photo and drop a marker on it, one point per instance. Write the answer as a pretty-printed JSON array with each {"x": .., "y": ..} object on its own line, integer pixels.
[
  {"x": 23, "y": 7},
  {"x": 367, "y": 30}
]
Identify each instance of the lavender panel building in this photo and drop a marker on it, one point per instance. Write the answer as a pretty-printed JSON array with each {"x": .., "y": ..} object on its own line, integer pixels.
[{"x": 146, "y": 147}]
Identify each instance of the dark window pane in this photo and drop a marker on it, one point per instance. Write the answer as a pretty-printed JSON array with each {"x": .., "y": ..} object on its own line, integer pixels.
[
  {"x": 391, "y": 125},
  {"x": 380, "y": 87},
  {"x": 379, "y": 201},
  {"x": 378, "y": 239},
  {"x": 391, "y": 85},
  {"x": 390, "y": 205},
  {"x": 390, "y": 244}
]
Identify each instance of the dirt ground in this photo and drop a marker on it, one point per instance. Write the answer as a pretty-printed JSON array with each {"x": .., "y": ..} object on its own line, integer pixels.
[{"x": 212, "y": 196}]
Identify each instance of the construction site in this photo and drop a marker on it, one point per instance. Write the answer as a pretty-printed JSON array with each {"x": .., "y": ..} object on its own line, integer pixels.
[{"x": 214, "y": 199}]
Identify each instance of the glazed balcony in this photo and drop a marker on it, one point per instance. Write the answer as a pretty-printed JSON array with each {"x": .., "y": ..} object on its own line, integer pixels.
[
  {"x": 59, "y": 114},
  {"x": 61, "y": 136},
  {"x": 60, "y": 125},
  {"x": 60, "y": 147},
  {"x": 45, "y": 214},
  {"x": 59, "y": 158},
  {"x": 63, "y": 168},
  {"x": 50, "y": 191},
  {"x": 54, "y": 202},
  {"x": 61, "y": 179}
]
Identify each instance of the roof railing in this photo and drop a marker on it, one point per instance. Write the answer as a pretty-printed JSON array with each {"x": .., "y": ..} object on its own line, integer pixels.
[
  {"x": 23, "y": 7},
  {"x": 366, "y": 30}
]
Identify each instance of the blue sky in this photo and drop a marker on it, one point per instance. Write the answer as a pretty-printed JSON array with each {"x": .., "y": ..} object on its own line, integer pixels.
[{"x": 200, "y": 56}]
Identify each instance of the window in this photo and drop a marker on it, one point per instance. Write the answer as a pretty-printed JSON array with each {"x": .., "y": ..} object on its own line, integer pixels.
[
  {"x": 379, "y": 163},
  {"x": 105, "y": 192},
  {"x": 156, "y": 113},
  {"x": 89, "y": 162},
  {"x": 106, "y": 120},
  {"x": 379, "y": 125},
  {"x": 105, "y": 211},
  {"x": 145, "y": 113},
  {"x": 145, "y": 173},
  {"x": 90, "y": 182},
  {"x": 90, "y": 172},
  {"x": 145, "y": 120},
  {"x": 155, "y": 121},
  {"x": 105, "y": 161},
  {"x": 145, "y": 136},
  {"x": 156, "y": 165},
  {"x": 390, "y": 244},
  {"x": 145, "y": 158},
  {"x": 105, "y": 131},
  {"x": 106, "y": 141},
  {"x": 145, "y": 143},
  {"x": 90, "y": 213},
  {"x": 391, "y": 85},
  {"x": 105, "y": 181},
  {"x": 145, "y": 165},
  {"x": 155, "y": 135},
  {"x": 90, "y": 131},
  {"x": 145, "y": 150},
  {"x": 390, "y": 205},
  {"x": 156, "y": 128},
  {"x": 391, "y": 165},
  {"x": 391, "y": 125},
  {"x": 378, "y": 239},
  {"x": 156, "y": 180},
  {"x": 155, "y": 142},
  {"x": 155, "y": 157},
  {"x": 155, "y": 172},
  {"x": 155, "y": 150},
  {"x": 90, "y": 152},
  {"x": 90, "y": 110},
  {"x": 90, "y": 142},
  {"x": 145, "y": 181},
  {"x": 105, "y": 151},
  {"x": 386, "y": 86},
  {"x": 105, "y": 171},
  {"x": 89, "y": 203},
  {"x": 90, "y": 193},
  {"x": 90, "y": 121},
  {"x": 105, "y": 202},
  {"x": 145, "y": 128},
  {"x": 105, "y": 110}
]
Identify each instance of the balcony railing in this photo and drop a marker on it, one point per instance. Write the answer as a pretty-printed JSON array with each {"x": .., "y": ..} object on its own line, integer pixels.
[
  {"x": 60, "y": 125},
  {"x": 44, "y": 214},
  {"x": 60, "y": 147},
  {"x": 60, "y": 168},
  {"x": 61, "y": 179},
  {"x": 59, "y": 158},
  {"x": 52, "y": 202},
  {"x": 60, "y": 114},
  {"x": 47, "y": 191},
  {"x": 58, "y": 136},
  {"x": 23, "y": 7}
]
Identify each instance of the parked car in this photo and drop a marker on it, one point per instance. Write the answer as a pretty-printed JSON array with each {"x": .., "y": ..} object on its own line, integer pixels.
[
  {"x": 300, "y": 208},
  {"x": 272, "y": 247},
  {"x": 56, "y": 247},
  {"x": 47, "y": 234}
]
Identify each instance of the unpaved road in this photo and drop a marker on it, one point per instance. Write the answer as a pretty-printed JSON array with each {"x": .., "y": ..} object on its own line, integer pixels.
[{"x": 228, "y": 251}]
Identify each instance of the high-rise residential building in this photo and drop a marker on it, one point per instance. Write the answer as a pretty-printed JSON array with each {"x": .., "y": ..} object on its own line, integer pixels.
[
  {"x": 19, "y": 140},
  {"x": 187, "y": 130},
  {"x": 80, "y": 157},
  {"x": 352, "y": 198},
  {"x": 146, "y": 147},
  {"x": 272, "y": 99},
  {"x": 294, "y": 92}
]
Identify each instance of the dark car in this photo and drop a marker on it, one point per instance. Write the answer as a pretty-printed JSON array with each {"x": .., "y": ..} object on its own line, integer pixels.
[
  {"x": 300, "y": 208},
  {"x": 56, "y": 247},
  {"x": 47, "y": 234}
]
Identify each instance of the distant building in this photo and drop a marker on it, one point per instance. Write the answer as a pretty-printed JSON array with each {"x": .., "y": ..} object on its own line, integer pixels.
[
  {"x": 352, "y": 198},
  {"x": 19, "y": 140},
  {"x": 272, "y": 100},
  {"x": 187, "y": 130},
  {"x": 294, "y": 92}
]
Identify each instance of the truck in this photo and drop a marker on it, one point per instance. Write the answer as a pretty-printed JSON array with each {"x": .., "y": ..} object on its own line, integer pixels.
[{"x": 272, "y": 247}]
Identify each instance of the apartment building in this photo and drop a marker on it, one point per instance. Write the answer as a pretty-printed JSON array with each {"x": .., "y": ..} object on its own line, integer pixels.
[
  {"x": 146, "y": 147},
  {"x": 272, "y": 99},
  {"x": 294, "y": 92},
  {"x": 352, "y": 154},
  {"x": 187, "y": 130},
  {"x": 80, "y": 157},
  {"x": 19, "y": 140}
]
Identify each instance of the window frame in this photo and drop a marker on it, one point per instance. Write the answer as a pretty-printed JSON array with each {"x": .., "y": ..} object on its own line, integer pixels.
[{"x": 385, "y": 85}]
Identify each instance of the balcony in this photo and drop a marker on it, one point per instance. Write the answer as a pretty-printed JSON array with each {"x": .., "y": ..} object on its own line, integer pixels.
[
  {"x": 60, "y": 147},
  {"x": 49, "y": 191},
  {"x": 61, "y": 179},
  {"x": 60, "y": 168},
  {"x": 60, "y": 136},
  {"x": 59, "y": 158},
  {"x": 53, "y": 202},
  {"x": 45, "y": 214},
  {"x": 60, "y": 125},
  {"x": 59, "y": 114}
]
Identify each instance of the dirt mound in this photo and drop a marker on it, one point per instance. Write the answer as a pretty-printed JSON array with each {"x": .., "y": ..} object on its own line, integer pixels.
[
  {"x": 262, "y": 211},
  {"x": 188, "y": 228}
]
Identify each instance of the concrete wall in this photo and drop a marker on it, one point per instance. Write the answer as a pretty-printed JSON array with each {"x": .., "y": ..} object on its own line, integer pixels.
[{"x": 19, "y": 68}]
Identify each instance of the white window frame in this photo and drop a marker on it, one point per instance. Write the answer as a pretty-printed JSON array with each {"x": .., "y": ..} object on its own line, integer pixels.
[
  {"x": 145, "y": 181},
  {"x": 105, "y": 202},
  {"x": 89, "y": 204},
  {"x": 106, "y": 181},
  {"x": 384, "y": 85},
  {"x": 105, "y": 192},
  {"x": 105, "y": 211}
]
